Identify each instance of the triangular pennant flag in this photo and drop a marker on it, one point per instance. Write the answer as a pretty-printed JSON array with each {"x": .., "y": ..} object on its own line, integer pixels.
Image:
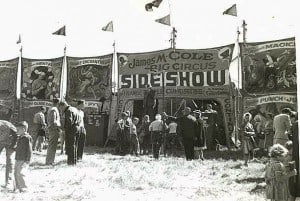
[
  {"x": 164, "y": 20},
  {"x": 154, "y": 3},
  {"x": 109, "y": 27},
  {"x": 61, "y": 31},
  {"x": 19, "y": 39},
  {"x": 231, "y": 11}
]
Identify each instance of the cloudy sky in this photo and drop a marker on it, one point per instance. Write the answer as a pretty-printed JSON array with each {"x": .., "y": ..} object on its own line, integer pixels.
[{"x": 200, "y": 24}]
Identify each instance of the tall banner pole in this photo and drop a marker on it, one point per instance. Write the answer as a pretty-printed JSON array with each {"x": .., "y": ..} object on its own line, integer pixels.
[
  {"x": 237, "y": 99},
  {"x": 19, "y": 84}
]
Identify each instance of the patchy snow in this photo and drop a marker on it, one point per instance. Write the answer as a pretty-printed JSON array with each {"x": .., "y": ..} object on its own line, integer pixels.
[{"x": 103, "y": 175}]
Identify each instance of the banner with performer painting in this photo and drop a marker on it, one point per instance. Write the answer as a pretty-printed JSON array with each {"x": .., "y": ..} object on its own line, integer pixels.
[
  {"x": 41, "y": 78},
  {"x": 269, "y": 67},
  {"x": 89, "y": 78},
  {"x": 8, "y": 75}
]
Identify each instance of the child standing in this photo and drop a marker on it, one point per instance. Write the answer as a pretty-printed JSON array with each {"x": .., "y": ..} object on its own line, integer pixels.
[
  {"x": 134, "y": 142},
  {"x": 277, "y": 174},
  {"x": 23, "y": 155},
  {"x": 247, "y": 137}
]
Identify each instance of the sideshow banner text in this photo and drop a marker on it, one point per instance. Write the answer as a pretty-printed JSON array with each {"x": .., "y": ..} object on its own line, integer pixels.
[
  {"x": 41, "y": 78},
  {"x": 8, "y": 75},
  {"x": 89, "y": 77},
  {"x": 178, "y": 68},
  {"x": 269, "y": 66}
]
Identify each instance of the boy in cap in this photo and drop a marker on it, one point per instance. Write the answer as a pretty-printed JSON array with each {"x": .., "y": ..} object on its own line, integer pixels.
[{"x": 23, "y": 155}]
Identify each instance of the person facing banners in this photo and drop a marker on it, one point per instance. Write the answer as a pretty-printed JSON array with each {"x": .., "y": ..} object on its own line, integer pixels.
[{"x": 72, "y": 128}]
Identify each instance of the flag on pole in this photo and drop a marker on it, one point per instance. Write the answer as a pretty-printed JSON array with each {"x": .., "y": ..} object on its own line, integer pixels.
[
  {"x": 231, "y": 11},
  {"x": 109, "y": 27},
  {"x": 19, "y": 39},
  {"x": 154, "y": 3},
  {"x": 60, "y": 32},
  {"x": 164, "y": 20}
]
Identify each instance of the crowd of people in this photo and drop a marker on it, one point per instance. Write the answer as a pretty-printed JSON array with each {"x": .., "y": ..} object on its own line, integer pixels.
[
  {"x": 69, "y": 129},
  {"x": 165, "y": 133},
  {"x": 279, "y": 137}
]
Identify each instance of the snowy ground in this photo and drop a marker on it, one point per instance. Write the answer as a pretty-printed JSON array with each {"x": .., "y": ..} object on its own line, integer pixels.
[{"x": 103, "y": 175}]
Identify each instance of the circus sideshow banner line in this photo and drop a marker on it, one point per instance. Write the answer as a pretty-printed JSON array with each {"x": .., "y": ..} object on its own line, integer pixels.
[
  {"x": 8, "y": 74},
  {"x": 41, "y": 78},
  {"x": 89, "y": 77},
  {"x": 269, "y": 67}
]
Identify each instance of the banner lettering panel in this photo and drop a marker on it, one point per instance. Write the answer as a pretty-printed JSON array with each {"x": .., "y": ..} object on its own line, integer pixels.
[
  {"x": 8, "y": 75},
  {"x": 269, "y": 67},
  {"x": 41, "y": 78},
  {"x": 196, "y": 73},
  {"x": 89, "y": 77}
]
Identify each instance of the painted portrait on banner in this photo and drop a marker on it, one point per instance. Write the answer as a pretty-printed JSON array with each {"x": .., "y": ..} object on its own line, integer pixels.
[
  {"x": 269, "y": 66},
  {"x": 41, "y": 78},
  {"x": 89, "y": 77},
  {"x": 8, "y": 75}
]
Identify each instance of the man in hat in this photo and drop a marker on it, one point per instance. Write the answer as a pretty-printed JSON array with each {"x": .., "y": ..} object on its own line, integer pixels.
[
  {"x": 8, "y": 141},
  {"x": 72, "y": 123},
  {"x": 54, "y": 130}
]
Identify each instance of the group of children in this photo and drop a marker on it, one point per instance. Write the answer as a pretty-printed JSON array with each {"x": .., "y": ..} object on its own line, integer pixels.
[{"x": 136, "y": 138}]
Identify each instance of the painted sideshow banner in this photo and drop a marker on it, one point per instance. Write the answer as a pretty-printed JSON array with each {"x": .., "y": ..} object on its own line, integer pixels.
[
  {"x": 269, "y": 66},
  {"x": 180, "y": 68},
  {"x": 41, "y": 78},
  {"x": 8, "y": 75},
  {"x": 89, "y": 77}
]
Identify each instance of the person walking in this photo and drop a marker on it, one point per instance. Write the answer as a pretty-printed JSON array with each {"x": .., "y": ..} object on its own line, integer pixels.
[
  {"x": 72, "y": 129},
  {"x": 82, "y": 131},
  {"x": 54, "y": 131},
  {"x": 23, "y": 155},
  {"x": 39, "y": 125},
  {"x": 282, "y": 125},
  {"x": 8, "y": 141}
]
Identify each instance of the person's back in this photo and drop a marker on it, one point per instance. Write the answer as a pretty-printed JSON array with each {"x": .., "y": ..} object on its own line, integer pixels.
[
  {"x": 5, "y": 132},
  {"x": 281, "y": 124},
  {"x": 173, "y": 127},
  {"x": 188, "y": 126},
  {"x": 156, "y": 125}
]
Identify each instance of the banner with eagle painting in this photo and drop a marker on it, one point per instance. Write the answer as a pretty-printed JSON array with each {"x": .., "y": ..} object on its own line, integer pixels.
[
  {"x": 41, "y": 78},
  {"x": 89, "y": 78},
  {"x": 269, "y": 67}
]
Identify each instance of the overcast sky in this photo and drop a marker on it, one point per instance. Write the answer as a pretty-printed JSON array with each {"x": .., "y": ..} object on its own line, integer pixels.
[{"x": 200, "y": 24}]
